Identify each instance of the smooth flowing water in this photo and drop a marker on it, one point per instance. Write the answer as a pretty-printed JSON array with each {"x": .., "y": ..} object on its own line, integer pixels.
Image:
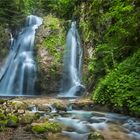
[
  {"x": 79, "y": 124},
  {"x": 18, "y": 73},
  {"x": 71, "y": 82}
]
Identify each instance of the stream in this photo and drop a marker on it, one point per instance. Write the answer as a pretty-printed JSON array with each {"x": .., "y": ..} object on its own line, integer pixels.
[{"x": 79, "y": 124}]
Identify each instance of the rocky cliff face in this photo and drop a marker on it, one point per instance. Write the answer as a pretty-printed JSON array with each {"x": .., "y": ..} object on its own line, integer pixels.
[{"x": 49, "y": 54}]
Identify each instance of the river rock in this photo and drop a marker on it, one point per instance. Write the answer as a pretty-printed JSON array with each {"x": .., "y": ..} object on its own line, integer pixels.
[
  {"x": 12, "y": 120},
  {"x": 18, "y": 105},
  {"x": 44, "y": 107},
  {"x": 59, "y": 107},
  {"x": 95, "y": 136},
  {"x": 27, "y": 118},
  {"x": 47, "y": 126},
  {"x": 21, "y": 111}
]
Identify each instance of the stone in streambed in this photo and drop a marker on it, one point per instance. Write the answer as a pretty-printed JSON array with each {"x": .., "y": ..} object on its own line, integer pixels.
[
  {"x": 18, "y": 105},
  {"x": 28, "y": 118},
  {"x": 46, "y": 127},
  {"x": 20, "y": 111},
  {"x": 59, "y": 107},
  {"x": 44, "y": 107},
  {"x": 95, "y": 136},
  {"x": 12, "y": 120}
]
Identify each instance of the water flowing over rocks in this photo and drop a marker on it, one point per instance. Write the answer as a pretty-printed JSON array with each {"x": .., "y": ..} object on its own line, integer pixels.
[{"x": 62, "y": 119}]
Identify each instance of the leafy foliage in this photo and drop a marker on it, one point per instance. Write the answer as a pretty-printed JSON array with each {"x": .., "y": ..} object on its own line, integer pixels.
[
  {"x": 110, "y": 30},
  {"x": 62, "y": 8},
  {"x": 121, "y": 87}
]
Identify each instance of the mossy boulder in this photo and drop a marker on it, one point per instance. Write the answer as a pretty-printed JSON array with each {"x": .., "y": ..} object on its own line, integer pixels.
[
  {"x": 12, "y": 120},
  {"x": 95, "y": 136},
  {"x": 44, "y": 107},
  {"x": 59, "y": 106},
  {"x": 2, "y": 101},
  {"x": 46, "y": 127},
  {"x": 18, "y": 105},
  {"x": 27, "y": 118}
]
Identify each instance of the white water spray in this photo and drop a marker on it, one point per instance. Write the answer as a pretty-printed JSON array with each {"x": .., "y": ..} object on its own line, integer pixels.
[
  {"x": 71, "y": 83},
  {"x": 18, "y": 74}
]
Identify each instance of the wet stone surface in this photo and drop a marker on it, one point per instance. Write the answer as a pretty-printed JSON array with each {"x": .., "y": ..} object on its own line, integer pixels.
[{"x": 59, "y": 120}]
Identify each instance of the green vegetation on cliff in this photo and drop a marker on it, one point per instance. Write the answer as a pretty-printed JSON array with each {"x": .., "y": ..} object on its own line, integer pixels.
[
  {"x": 120, "y": 89},
  {"x": 50, "y": 48}
]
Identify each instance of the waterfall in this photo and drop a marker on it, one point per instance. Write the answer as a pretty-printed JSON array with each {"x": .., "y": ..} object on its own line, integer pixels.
[
  {"x": 18, "y": 73},
  {"x": 71, "y": 82}
]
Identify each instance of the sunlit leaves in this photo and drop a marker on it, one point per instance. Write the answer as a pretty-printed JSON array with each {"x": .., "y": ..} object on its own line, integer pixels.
[{"x": 121, "y": 87}]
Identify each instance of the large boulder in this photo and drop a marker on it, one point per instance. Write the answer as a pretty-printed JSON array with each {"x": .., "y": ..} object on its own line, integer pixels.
[{"x": 46, "y": 127}]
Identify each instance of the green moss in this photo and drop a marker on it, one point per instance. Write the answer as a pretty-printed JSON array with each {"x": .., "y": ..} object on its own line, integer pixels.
[
  {"x": 4, "y": 122},
  {"x": 52, "y": 22},
  {"x": 2, "y": 116},
  {"x": 95, "y": 136},
  {"x": 55, "y": 41},
  {"x": 12, "y": 120},
  {"x": 59, "y": 106},
  {"x": 50, "y": 48},
  {"x": 18, "y": 104},
  {"x": 28, "y": 117},
  {"x": 47, "y": 127},
  {"x": 38, "y": 129}
]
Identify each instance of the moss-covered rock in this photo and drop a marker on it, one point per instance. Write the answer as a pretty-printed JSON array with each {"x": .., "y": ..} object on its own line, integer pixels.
[
  {"x": 95, "y": 136},
  {"x": 59, "y": 106},
  {"x": 18, "y": 105},
  {"x": 44, "y": 107},
  {"x": 46, "y": 127},
  {"x": 27, "y": 118},
  {"x": 50, "y": 47},
  {"x": 12, "y": 120}
]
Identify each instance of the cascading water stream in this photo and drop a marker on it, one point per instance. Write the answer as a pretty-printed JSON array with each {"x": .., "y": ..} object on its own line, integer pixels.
[
  {"x": 71, "y": 82},
  {"x": 18, "y": 74}
]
